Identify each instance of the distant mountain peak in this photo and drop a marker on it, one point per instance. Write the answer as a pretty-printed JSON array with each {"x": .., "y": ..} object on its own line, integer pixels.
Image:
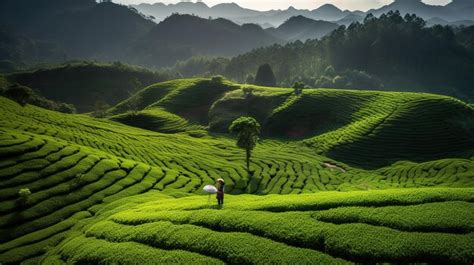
[
  {"x": 299, "y": 18},
  {"x": 330, "y": 7},
  {"x": 233, "y": 4},
  {"x": 201, "y": 4}
]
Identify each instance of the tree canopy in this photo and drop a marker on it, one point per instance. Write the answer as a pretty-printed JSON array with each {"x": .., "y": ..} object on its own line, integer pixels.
[
  {"x": 247, "y": 129},
  {"x": 390, "y": 52},
  {"x": 265, "y": 76}
]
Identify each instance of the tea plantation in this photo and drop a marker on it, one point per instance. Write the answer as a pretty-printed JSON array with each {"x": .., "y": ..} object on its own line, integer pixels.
[{"x": 397, "y": 171}]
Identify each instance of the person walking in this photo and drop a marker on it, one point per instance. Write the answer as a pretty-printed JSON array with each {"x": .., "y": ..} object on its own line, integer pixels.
[{"x": 220, "y": 185}]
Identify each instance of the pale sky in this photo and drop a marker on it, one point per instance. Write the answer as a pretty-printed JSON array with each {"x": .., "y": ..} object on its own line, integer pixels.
[{"x": 301, "y": 4}]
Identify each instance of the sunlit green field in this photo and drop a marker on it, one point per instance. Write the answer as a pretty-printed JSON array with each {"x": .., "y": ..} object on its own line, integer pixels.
[{"x": 380, "y": 177}]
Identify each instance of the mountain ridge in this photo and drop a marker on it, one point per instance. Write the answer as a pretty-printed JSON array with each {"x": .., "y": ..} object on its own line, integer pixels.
[{"x": 455, "y": 11}]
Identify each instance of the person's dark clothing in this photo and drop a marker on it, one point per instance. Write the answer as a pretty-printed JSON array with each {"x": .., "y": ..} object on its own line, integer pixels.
[{"x": 220, "y": 194}]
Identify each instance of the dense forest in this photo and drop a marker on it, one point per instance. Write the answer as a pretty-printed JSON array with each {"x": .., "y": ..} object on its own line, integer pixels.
[{"x": 390, "y": 52}]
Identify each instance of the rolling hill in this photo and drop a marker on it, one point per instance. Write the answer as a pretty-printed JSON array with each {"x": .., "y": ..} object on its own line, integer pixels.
[
  {"x": 97, "y": 191},
  {"x": 302, "y": 28},
  {"x": 85, "y": 83},
  {"x": 363, "y": 128}
]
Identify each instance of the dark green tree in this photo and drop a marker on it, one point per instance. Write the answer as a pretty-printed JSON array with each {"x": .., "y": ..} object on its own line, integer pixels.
[
  {"x": 23, "y": 195},
  {"x": 248, "y": 92},
  {"x": 265, "y": 76},
  {"x": 298, "y": 87},
  {"x": 247, "y": 129},
  {"x": 20, "y": 94},
  {"x": 217, "y": 79},
  {"x": 66, "y": 108},
  {"x": 100, "y": 109}
]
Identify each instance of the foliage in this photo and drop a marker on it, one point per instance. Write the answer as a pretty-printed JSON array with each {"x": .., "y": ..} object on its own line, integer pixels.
[
  {"x": 201, "y": 66},
  {"x": 67, "y": 108},
  {"x": 100, "y": 109},
  {"x": 390, "y": 52},
  {"x": 265, "y": 76},
  {"x": 298, "y": 87},
  {"x": 20, "y": 94},
  {"x": 248, "y": 92},
  {"x": 247, "y": 129},
  {"x": 23, "y": 195},
  {"x": 218, "y": 79}
]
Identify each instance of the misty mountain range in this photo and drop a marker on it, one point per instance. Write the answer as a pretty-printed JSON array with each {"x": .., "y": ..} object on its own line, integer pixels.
[
  {"x": 456, "y": 12},
  {"x": 39, "y": 31},
  {"x": 50, "y": 31}
]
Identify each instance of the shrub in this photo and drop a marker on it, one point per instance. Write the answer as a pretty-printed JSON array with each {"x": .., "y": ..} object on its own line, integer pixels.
[
  {"x": 20, "y": 94},
  {"x": 66, "y": 108},
  {"x": 100, "y": 109},
  {"x": 23, "y": 195},
  {"x": 298, "y": 87},
  {"x": 217, "y": 79},
  {"x": 248, "y": 92},
  {"x": 361, "y": 79}
]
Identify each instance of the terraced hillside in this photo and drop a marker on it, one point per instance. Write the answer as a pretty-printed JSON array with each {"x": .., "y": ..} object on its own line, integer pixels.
[
  {"x": 361, "y": 128},
  {"x": 302, "y": 229},
  {"x": 104, "y": 192}
]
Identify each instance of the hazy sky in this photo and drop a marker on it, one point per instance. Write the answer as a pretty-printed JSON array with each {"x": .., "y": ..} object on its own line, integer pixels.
[{"x": 302, "y": 4}]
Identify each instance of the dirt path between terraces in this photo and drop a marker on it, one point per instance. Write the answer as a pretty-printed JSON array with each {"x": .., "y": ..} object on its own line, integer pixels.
[{"x": 332, "y": 166}]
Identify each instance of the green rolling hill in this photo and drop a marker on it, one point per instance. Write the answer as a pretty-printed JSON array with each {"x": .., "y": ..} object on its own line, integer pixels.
[
  {"x": 367, "y": 129},
  {"x": 106, "y": 192}
]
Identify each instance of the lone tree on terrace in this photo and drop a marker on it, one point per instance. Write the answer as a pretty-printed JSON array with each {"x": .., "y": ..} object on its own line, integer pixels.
[
  {"x": 247, "y": 129},
  {"x": 265, "y": 76}
]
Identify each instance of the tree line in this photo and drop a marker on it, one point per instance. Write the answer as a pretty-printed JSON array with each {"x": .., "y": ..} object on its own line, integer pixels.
[{"x": 390, "y": 52}]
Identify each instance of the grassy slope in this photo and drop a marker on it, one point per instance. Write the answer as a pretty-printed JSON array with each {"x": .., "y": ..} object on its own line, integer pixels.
[
  {"x": 367, "y": 129},
  {"x": 408, "y": 226},
  {"x": 78, "y": 167}
]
